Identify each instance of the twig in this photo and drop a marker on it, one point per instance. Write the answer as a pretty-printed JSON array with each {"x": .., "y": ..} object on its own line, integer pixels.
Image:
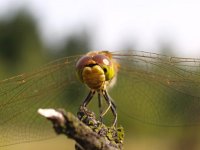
[{"x": 86, "y": 130}]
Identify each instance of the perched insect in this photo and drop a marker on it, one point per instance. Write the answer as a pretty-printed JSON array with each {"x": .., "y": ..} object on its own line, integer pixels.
[
  {"x": 151, "y": 88},
  {"x": 97, "y": 70}
]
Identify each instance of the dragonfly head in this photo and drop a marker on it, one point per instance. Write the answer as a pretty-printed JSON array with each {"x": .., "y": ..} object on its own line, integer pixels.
[{"x": 94, "y": 69}]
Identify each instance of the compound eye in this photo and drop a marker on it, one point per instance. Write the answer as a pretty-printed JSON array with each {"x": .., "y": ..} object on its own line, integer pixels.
[
  {"x": 102, "y": 60},
  {"x": 82, "y": 62}
]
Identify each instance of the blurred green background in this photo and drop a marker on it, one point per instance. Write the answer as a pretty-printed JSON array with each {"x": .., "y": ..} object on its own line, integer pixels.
[{"x": 22, "y": 49}]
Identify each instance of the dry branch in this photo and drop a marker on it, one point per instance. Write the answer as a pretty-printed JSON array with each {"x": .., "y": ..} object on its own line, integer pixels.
[{"x": 86, "y": 130}]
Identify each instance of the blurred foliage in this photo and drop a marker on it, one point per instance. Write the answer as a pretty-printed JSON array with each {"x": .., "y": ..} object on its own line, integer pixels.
[
  {"x": 76, "y": 45},
  {"x": 20, "y": 45}
]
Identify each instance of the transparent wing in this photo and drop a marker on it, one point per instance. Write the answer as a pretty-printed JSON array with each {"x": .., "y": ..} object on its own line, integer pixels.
[
  {"x": 158, "y": 89},
  {"x": 151, "y": 88},
  {"x": 53, "y": 86}
]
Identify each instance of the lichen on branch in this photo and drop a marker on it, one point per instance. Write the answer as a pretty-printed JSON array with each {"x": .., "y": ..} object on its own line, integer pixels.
[{"x": 86, "y": 130}]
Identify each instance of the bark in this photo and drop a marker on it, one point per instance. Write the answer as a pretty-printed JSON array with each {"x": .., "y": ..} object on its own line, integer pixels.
[{"x": 86, "y": 130}]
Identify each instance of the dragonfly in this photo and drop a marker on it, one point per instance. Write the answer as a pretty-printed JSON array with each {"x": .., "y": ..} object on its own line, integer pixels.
[{"x": 147, "y": 87}]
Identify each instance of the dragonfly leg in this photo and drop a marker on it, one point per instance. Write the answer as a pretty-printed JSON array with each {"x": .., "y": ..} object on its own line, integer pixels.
[
  {"x": 100, "y": 106},
  {"x": 88, "y": 98},
  {"x": 107, "y": 109},
  {"x": 112, "y": 106}
]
